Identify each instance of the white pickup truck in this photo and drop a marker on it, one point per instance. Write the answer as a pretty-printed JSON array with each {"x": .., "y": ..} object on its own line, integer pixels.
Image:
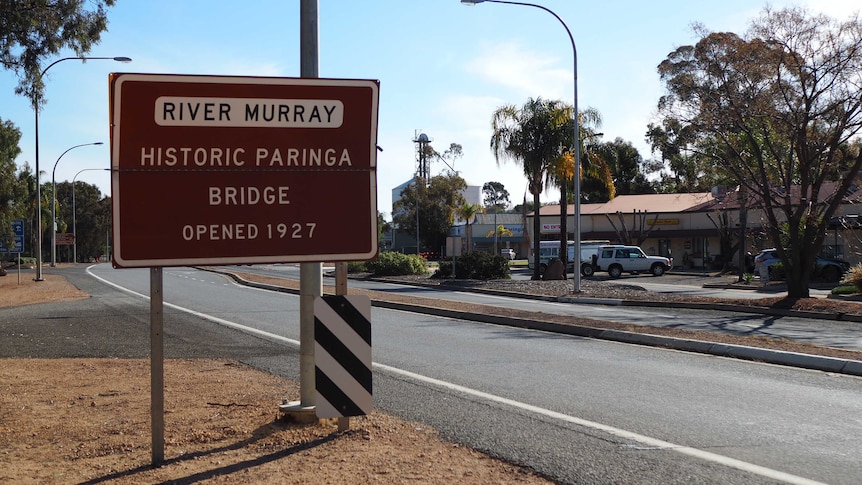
[{"x": 616, "y": 260}]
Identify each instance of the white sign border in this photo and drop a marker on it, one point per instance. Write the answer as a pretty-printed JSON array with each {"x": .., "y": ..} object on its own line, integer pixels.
[{"x": 121, "y": 78}]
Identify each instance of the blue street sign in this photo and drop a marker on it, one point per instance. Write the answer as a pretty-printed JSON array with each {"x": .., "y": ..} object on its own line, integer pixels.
[{"x": 17, "y": 239}]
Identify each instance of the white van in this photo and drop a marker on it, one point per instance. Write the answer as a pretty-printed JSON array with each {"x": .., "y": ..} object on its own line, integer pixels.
[{"x": 549, "y": 250}]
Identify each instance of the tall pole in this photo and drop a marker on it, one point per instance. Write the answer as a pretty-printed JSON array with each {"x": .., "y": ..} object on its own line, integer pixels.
[
  {"x": 54, "y": 202},
  {"x": 75, "y": 214},
  {"x": 577, "y": 143},
  {"x": 36, "y": 107},
  {"x": 311, "y": 282}
]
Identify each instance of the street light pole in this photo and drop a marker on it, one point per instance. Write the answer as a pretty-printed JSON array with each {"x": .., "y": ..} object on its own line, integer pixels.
[
  {"x": 577, "y": 144},
  {"x": 75, "y": 216},
  {"x": 54, "y": 201},
  {"x": 36, "y": 108}
]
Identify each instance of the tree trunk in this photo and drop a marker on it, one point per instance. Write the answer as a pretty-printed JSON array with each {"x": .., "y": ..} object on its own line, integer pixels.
[
  {"x": 797, "y": 285},
  {"x": 537, "y": 228},
  {"x": 564, "y": 231},
  {"x": 743, "y": 221}
]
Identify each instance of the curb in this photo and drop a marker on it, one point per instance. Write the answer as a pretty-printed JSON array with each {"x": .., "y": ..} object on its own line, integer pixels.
[{"x": 757, "y": 354}]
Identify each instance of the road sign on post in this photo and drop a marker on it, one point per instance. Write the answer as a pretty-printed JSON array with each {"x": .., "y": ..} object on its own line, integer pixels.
[
  {"x": 15, "y": 243},
  {"x": 213, "y": 170}
]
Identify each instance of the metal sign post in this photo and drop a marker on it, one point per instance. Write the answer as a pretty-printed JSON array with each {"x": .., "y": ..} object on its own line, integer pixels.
[
  {"x": 213, "y": 170},
  {"x": 157, "y": 366}
]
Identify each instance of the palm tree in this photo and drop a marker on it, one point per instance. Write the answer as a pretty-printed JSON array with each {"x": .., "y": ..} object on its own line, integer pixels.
[
  {"x": 530, "y": 136},
  {"x": 467, "y": 212},
  {"x": 593, "y": 166}
]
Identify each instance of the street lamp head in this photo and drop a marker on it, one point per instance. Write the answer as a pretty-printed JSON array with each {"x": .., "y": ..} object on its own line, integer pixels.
[
  {"x": 123, "y": 59},
  {"x": 471, "y": 2}
]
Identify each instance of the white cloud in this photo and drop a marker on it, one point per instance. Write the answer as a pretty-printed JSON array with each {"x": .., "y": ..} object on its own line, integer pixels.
[
  {"x": 839, "y": 9},
  {"x": 531, "y": 73}
]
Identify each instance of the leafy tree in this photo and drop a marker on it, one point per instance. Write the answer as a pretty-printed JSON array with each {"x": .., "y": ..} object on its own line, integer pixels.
[
  {"x": 383, "y": 227},
  {"x": 530, "y": 136},
  {"x": 436, "y": 203},
  {"x": 496, "y": 198},
  {"x": 12, "y": 204},
  {"x": 448, "y": 157},
  {"x": 91, "y": 220},
  {"x": 627, "y": 168},
  {"x": 27, "y": 188},
  {"x": 33, "y": 30},
  {"x": 778, "y": 109},
  {"x": 685, "y": 165},
  {"x": 27, "y": 185},
  {"x": 524, "y": 208}
]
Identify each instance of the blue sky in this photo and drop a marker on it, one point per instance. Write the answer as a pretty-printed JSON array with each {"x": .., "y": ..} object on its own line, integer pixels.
[{"x": 443, "y": 69}]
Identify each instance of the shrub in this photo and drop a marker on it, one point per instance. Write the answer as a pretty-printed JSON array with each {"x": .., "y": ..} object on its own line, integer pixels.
[
  {"x": 476, "y": 266},
  {"x": 854, "y": 277},
  {"x": 397, "y": 264},
  {"x": 845, "y": 290},
  {"x": 357, "y": 267},
  {"x": 776, "y": 271}
]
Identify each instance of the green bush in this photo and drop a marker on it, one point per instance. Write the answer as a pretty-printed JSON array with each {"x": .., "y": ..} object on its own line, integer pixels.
[
  {"x": 397, "y": 264},
  {"x": 357, "y": 267},
  {"x": 845, "y": 290},
  {"x": 476, "y": 266},
  {"x": 777, "y": 272},
  {"x": 854, "y": 277}
]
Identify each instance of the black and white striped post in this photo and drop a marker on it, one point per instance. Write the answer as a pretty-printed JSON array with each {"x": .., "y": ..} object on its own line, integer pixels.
[{"x": 342, "y": 356}]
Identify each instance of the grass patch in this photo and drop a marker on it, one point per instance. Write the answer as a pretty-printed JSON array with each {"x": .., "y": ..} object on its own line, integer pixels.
[{"x": 845, "y": 290}]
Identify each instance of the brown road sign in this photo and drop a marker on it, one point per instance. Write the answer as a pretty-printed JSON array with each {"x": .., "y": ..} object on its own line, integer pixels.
[
  {"x": 64, "y": 238},
  {"x": 211, "y": 170}
]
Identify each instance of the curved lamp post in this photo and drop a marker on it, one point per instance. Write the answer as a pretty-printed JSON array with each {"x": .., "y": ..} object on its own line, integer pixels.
[
  {"x": 38, "y": 183},
  {"x": 577, "y": 144},
  {"x": 74, "y": 214},
  {"x": 54, "y": 201}
]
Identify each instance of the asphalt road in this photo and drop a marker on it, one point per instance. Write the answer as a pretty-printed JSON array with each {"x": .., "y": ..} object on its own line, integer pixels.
[{"x": 579, "y": 410}]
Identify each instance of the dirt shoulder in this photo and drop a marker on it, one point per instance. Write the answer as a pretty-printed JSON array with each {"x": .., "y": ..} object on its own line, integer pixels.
[{"x": 88, "y": 421}]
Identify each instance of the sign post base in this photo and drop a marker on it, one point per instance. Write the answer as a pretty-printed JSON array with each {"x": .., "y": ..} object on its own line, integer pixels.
[{"x": 299, "y": 413}]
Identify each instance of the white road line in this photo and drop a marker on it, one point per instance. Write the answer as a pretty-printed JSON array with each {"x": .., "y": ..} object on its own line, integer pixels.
[{"x": 621, "y": 433}]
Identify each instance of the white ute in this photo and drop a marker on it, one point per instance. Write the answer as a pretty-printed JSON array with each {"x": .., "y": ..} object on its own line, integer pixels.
[{"x": 617, "y": 260}]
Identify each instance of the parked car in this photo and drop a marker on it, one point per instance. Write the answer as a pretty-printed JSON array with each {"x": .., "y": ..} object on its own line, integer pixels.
[
  {"x": 508, "y": 253},
  {"x": 617, "y": 259},
  {"x": 831, "y": 270}
]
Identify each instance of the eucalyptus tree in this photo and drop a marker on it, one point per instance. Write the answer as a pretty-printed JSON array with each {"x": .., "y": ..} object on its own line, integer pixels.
[
  {"x": 780, "y": 109},
  {"x": 33, "y": 30},
  {"x": 495, "y": 197},
  {"x": 432, "y": 206},
  {"x": 11, "y": 203}
]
